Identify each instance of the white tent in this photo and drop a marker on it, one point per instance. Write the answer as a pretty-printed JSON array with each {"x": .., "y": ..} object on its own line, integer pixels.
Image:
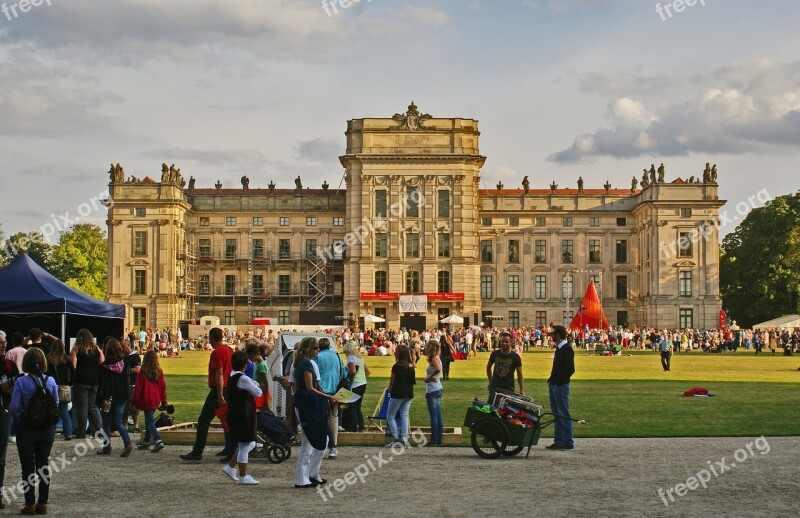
[
  {"x": 373, "y": 319},
  {"x": 452, "y": 319},
  {"x": 784, "y": 322}
]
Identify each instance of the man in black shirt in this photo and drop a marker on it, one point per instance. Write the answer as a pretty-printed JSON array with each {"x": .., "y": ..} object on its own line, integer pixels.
[
  {"x": 505, "y": 362},
  {"x": 563, "y": 369}
]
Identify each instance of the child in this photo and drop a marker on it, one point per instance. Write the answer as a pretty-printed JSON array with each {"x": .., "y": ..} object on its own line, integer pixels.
[
  {"x": 242, "y": 394},
  {"x": 149, "y": 394}
]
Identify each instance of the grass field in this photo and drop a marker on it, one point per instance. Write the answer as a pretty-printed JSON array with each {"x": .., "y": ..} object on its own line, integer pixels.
[{"x": 625, "y": 396}]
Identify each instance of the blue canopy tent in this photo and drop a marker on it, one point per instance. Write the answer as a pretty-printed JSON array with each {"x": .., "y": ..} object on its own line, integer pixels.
[{"x": 31, "y": 297}]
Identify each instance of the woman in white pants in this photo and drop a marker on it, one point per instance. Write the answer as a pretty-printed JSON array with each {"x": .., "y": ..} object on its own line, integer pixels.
[{"x": 312, "y": 408}]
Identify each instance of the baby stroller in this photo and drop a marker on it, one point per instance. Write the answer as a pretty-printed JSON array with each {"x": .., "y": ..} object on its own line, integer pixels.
[{"x": 276, "y": 435}]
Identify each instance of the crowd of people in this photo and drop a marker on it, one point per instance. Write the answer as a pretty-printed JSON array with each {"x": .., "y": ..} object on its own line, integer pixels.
[{"x": 109, "y": 383}]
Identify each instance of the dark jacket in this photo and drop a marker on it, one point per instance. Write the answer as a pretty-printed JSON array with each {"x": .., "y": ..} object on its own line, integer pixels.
[
  {"x": 563, "y": 366},
  {"x": 64, "y": 374},
  {"x": 113, "y": 378}
]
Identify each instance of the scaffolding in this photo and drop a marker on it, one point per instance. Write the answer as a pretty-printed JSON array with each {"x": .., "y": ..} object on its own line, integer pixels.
[
  {"x": 224, "y": 275},
  {"x": 187, "y": 281}
]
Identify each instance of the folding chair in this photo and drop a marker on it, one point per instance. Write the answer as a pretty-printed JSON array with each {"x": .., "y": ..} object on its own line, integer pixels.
[{"x": 381, "y": 411}]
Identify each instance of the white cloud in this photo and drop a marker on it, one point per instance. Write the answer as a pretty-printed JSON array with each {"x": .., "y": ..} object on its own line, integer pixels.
[{"x": 740, "y": 108}]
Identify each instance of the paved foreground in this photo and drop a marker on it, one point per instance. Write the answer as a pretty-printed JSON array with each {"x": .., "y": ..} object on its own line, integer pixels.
[{"x": 601, "y": 477}]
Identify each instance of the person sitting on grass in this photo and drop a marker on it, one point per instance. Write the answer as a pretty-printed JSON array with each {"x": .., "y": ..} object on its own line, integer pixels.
[{"x": 242, "y": 394}]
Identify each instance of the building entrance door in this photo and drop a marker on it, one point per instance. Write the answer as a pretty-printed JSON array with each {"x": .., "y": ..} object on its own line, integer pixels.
[{"x": 413, "y": 321}]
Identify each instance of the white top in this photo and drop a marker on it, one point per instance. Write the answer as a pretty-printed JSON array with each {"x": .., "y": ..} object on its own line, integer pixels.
[
  {"x": 435, "y": 384},
  {"x": 246, "y": 383}
]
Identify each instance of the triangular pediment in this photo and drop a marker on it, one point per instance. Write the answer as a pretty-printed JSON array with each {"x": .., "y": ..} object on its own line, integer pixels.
[
  {"x": 622, "y": 268},
  {"x": 512, "y": 268}
]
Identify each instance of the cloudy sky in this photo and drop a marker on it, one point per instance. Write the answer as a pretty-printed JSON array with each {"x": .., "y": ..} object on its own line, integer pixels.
[{"x": 562, "y": 88}]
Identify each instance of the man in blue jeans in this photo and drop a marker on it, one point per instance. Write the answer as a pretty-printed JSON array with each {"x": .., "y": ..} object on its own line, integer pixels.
[
  {"x": 219, "y": 370},
  {"x": 562, "y": 371},
  {"x": 331, "y": 371}
]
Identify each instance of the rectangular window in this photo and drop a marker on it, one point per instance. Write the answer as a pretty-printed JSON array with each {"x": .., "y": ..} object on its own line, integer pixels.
[
  {"x": 140, "y": 318},
  {"x": 258, "y": 284},
  {"x": 685, "y": 284},
  {"x": 541, "y": 222},
  {"x": 230, "y": 285},
  {"x": 566, "y": 221},
  {"x": 258, "y": 313},
  {"x": 412, "y": 244},
  {"x": 140, "y": 242},
  {"x": 513, "y": 251},
  {"x": 140, "y": 212},
  {"x": 258, "y": 221},
  {"x": 567, "y": 317},
  {"x": 311, "y": 248},
  {"x": 258, "y": 248},
  {"x": 513, "y": 286},
  {"x": 283, "y": 317},
  {"x": 381, "y": 244},
  {"x": 311, "y": 221},
  {"x": 204, "y": 222},
  {"x": 513, "y": 319},
  {"x": 379, "y": 312},
  {"x": 444, "y": 244},
  {"x": 594, "y": 250},
  {"x": 204, "y": 285},
  {"x": 686, "y": 319},
  {"x": 486, "y": 287},
  {"x": 284, "y": 250},
  {"x": 486, "y": 251},
  {"x": 412, "y": 202},
  {"x": 444, "y": 204},
  {"x": 338, "y": 222},
  {"x": 513, "y": 222},
  {"x": 284, "y": 285},
  {"x": 412, "y": 282},
  {"x": 381, "y": 282},
  {"x": 338, "y": 250},
  {"x": 230, "y": 319},
  {"x": 567, "y": 249},
  {"x": 566, "y": 287},
  {"x": 283, "y": 221},
  {"x": 622, "y": 318},
  {"x": 139, "y": 282},
  {"x": 540, "y": 251},
  {"x": 622, "y": 250},
  {"x": 594, "y": 222},
  {"x": 486, "y": 222},
  {"x": 205, "y": 249},
  {"x": 443, "y": 282},
  {"x": 381, "y": 210},
  {"x": 686, "y": 213},
  {"x": 622, "y": 287},
  {"x": 230, "y": 249},
  {"x": 622, "y": 222},
  {"x": 685, "y": 248},
  {"x": 230, "y": 221},
  {"x": 540, "y": 286},
  {"x": 541, "y": 318}
]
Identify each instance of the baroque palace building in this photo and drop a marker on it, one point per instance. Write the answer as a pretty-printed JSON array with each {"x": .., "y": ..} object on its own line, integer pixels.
[{"x": 412, "y": 239}]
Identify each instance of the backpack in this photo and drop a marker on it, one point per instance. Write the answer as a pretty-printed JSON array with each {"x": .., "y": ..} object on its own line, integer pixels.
[{"x": 42, "y": 409}]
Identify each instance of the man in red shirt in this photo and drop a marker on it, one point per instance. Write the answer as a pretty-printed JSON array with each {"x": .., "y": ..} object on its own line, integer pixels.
[{"x": 219, "y": 370}]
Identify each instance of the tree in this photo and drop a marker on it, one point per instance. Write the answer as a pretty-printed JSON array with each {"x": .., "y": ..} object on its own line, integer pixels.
[
  {"x": 32, "y": 243},
  {"x": 80, "y": 259},
  {"x": 760, "y": 263}
]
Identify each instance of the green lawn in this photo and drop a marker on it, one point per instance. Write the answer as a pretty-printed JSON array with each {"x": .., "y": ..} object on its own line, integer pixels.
[{"x": 625, "y": 396}]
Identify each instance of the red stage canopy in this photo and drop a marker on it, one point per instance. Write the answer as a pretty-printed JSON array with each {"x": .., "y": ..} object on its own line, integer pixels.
[{"x": 591, "y": 312}]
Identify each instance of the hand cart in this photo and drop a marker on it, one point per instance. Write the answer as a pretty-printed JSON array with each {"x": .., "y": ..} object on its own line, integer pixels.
[{"x": 493, "y": 436}]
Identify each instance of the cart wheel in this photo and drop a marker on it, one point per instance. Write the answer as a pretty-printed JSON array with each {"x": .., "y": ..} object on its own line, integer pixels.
[
  {"x": 288, "y": 452},
  {"x": 276, "y": 454},
  {"x": 512, "y": 450},
  {"x": 489, "y": 438}
]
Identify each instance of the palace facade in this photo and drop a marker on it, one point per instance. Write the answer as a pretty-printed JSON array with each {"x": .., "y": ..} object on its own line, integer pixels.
[{"x": 412, "y": 238}]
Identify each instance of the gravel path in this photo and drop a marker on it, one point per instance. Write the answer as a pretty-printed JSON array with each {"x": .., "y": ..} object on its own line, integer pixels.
[{"x": 601, "y": 477}]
